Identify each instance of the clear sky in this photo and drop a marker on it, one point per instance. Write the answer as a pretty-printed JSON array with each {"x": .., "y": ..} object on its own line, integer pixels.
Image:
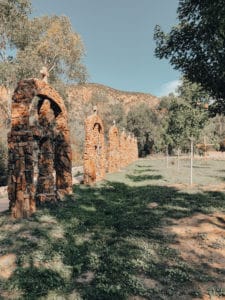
[{"x": 118, "y": 38}]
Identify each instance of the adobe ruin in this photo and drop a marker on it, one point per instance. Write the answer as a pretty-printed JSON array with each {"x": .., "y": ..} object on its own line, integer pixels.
[{"x": 50, "y": 134}]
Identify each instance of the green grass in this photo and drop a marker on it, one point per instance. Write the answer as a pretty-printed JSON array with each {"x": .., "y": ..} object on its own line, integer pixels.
[{"x": 105, "y": 242}]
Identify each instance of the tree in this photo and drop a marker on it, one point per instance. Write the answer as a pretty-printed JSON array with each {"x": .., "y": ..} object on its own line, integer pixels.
[
  {"x": 214, "y": 131},
  {"x": 183, "y": 123},
  {"x": 143, "y": 123},
  {"x": 29, "y": 44},
  {"x": 13, "y": 17},
  {"x": 165, "y": 102},
  {"x": 196, "y": 46},
  {"x": 52, "y": 43},
  {"x": 194, "y": 94}
]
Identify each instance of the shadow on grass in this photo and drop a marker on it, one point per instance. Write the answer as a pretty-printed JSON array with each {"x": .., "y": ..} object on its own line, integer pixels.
[
  {"x": 138, "y": 178},
  {"x": 144, "y": 169},
  {"x": 107, "y": 243},
  {"x": 201, "y": 167}
]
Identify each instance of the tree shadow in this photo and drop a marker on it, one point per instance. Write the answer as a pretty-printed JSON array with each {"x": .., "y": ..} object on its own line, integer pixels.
[
  {"x": 138, "y": 178},
  {"x": 201, "y": 167},
  {"x": 107, "y": 242}
]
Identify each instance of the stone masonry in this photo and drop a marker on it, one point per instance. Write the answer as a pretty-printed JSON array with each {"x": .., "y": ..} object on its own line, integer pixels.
[
  {"x": 94, "y": 149},
  {"x": 123, "y": 149},
  {"x": 128, "y": 149},
  {"x": 51, "y": 133},
  {"x": 113, "y": 150}
]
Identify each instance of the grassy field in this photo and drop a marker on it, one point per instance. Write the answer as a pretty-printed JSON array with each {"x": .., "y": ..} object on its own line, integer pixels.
[{"x": 144, "y": 233}]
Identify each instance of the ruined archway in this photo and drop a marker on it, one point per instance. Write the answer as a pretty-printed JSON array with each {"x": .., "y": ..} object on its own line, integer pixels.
[
  {"x": 94, "y": 149},
  {"x": 52, "y": 133}
]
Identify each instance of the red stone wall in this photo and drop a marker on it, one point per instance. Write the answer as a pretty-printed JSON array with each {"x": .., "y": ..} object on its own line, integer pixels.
[
  {"x": 123, "y": 150},
  {"x": 52, "y": 135},
  {"x": 113, "y": 155},
  {"x": 128, "y": 149},
  {"x": 94, "y": 150}
]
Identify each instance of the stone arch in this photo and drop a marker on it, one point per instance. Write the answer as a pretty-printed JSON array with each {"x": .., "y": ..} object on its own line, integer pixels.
[
  {"x": 21, "y": 189},
  {"x": 94, "y": 150}
]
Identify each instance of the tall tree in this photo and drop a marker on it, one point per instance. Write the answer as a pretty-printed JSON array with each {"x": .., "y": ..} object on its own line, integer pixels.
[
  {"x": 196, "y": 45},
  {"x": 184, "y": 122},
  {"x": 193, "y": 93},
  {"x": 144, "y": 124},
  {"x": 28, "y": 44},
  {"x": 51, "y": 43},
  {"x": 13, "y": 17}
]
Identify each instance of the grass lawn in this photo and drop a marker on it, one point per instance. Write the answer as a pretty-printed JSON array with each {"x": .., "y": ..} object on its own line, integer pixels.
[{"x": 143, "y": 233}]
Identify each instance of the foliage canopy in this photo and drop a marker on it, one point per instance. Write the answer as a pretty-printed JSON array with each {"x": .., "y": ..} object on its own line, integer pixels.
[
  {"x": 29, "y": 44},
  {"x": 195, "y": 46},
  {"x": 143, "y": 123}
]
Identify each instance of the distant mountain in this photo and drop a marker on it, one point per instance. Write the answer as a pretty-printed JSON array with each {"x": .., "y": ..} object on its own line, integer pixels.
[{"x": 84, "y": 93}]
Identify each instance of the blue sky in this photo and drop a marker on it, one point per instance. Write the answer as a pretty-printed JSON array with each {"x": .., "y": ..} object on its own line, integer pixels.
[{"x": 118, "y": 38}]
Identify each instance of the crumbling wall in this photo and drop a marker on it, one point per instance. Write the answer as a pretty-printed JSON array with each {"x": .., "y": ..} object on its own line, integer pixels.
[
  {"x": 128, "y": 149},
  {"x": 113, "y": 155},
  {"x": 135, "y": 149},
  {"x": 52, "y": 135},
  {"x": 94, "y": 150},
  {"x": 123, "y": 149}
]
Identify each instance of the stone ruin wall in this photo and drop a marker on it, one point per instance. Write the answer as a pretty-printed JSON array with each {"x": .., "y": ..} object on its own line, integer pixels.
[
  {"x": 121, "y": 151},
  {"x": 51, "y": 136},
  {"x": 94, "y": 150},
  {"x": 50, "y": 132},
  {"x": 113, "y": 155},
  {"x": 132, "y": 149}
]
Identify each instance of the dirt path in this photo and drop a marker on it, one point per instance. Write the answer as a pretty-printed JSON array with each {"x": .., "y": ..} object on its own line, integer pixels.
[{"x": 200, "y": 241}]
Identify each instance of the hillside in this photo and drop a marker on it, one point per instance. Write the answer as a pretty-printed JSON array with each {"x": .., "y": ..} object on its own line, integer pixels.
[{"x": 85, "y": 93}]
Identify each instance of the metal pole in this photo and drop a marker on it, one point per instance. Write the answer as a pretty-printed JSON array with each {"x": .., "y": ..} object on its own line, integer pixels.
[{"x": 191, "y": 177}]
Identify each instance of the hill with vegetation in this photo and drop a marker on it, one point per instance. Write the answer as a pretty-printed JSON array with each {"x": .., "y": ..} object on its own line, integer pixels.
[{"x": 94, "y": 92}]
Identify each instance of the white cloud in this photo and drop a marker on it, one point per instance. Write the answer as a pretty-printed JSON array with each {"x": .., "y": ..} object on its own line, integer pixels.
[{"x": 169, "y": 87}]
